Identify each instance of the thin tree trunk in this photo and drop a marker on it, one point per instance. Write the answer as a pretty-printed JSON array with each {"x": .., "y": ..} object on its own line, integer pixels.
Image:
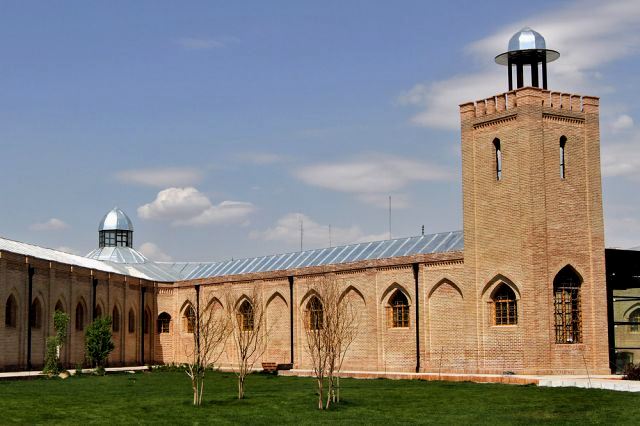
[{"x": 320, "y": 392}]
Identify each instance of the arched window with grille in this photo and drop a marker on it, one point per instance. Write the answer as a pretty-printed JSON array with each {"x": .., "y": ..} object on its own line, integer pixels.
[
  {"x": 566, "y": 306},
  {"x": 79, "y": 317},
  {"x": 245, "y": 316},
  {"x": 398, "y": 310},
  {"x": 164, "y": 323},
  {"x": 35, "y": 319},
  {"x": 11, "y": 312},
  {"x": 498, "y": 158},
  {"x": 315, "y": 314},
  {"x": 505, "y": 305},
  {"x": 634, "y": 320},
  {"x": 132, "y": 321},
  {"x": 115, "y": 320},
  {"x": 189, "y": 319},
  {"x": 563, "y": 169}
]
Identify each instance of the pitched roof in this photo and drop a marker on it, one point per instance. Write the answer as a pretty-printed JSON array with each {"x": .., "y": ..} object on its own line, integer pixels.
[{"x": 140, "y": 267}]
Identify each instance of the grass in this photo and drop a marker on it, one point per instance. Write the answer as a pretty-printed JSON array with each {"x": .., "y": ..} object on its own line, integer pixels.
[{"x": 165, "y": 397}]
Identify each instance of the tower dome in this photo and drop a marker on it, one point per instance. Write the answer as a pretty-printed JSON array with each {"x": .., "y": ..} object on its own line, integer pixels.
[
  {"x": 115, "y": 229},
  {"x": 115, "y": 220},
  {"x": 527, "y": 48}
]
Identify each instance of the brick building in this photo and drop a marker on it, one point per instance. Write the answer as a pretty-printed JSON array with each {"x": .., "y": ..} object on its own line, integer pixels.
[{"x": 523, "y": 291}]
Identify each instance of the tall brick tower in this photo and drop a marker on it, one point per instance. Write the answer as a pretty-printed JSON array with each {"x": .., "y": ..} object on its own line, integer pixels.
[{"x": 533, "y": 222}]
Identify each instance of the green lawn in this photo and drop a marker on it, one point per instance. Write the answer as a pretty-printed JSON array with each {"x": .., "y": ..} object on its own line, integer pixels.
[{"x": 165, "y": 397}]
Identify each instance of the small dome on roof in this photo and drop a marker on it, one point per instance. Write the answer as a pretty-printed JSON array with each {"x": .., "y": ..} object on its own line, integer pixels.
[
  {"x": 115, "y": 220},
  {"x": 526, "y": 39}
]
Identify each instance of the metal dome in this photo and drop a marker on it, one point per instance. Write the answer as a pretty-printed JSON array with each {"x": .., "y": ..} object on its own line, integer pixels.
[
  {"x": 527, "y": 43},
  {"x": 115, "y": 220},
  {"x": 525, "y": 39}
]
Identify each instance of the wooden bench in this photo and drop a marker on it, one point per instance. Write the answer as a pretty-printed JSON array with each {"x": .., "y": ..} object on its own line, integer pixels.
[{"x": 269, "y": 367}]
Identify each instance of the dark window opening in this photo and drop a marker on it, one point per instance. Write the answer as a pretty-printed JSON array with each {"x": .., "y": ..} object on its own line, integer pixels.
[
  {"x": 498, "y": 158},
  {"x": 35, "y": 320},
  {"x": 563, "y": 171},
  {"x": 566, "y": 306},
  {"x": 315, "y": 314},
  {"x": 10, "y": 312},
  {"x": 164, "y": 323},
  {"x": 245, "y": 316},
  {"x": 505, "y": 306},
  {"x": 399, "y": 310}
]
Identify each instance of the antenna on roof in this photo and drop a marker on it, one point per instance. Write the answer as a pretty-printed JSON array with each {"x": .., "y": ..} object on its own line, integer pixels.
[
  {"x": 423, "y": 230},
  {"x": 301, "y": 232},
  {"x": 389, "y": 216}
]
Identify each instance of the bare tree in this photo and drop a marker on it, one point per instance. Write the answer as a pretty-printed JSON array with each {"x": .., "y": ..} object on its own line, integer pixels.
[
  {"x": 210, "y": 328},
  {"x": 249, "y": 333},
  {"x": 331, "y": 325}
]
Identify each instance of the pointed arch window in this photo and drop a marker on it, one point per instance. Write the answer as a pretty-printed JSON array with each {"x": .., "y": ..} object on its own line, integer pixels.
[
  {"x": 566, "y": 306},
  {"x": 59, "y": 306},
  {"x": 398, "y": 310},
  {"x": 245, "y": 316},
  {"x": 315, "y": 314},
  {"x": 498, "y": 158},
  {"x": 563, "y": 169},
  {"x": 189, "y": 319},
  {"x": 132, "y": 321},
  {"x": 98, "y": 312},
  {"x": 164, "y": 323},
  {"x": 35, "y": 319},
  {"x": 505, "y": 305},
  {"x": 79, "y": 317},
  {"x": 634, "y": 319},
  {"x": 115, "y": 320},
  {"x": 146, "y": 322},
  {"x": 11, "y": 312}
]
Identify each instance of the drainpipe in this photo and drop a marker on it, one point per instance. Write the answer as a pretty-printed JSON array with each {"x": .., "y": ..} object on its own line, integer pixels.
[
  {"x": 142, "y": 312},
  {"x": 93, "y": 298},
  {"x": 31, "y": 273},
  {"x": 197, "y": 327},
  {"x": 416, "y": 270},
  {"x": 291, "y": 315}
]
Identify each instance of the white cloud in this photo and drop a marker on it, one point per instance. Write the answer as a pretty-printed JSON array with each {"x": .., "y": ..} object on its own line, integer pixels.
[
  {"x": 161, "y": 177},
  {"x": 372, "y": 179},
  {"x": 53, "y": 224},
  {"x": 287, "y": 230},
  {"x": 587, "y": 34},
  {"x": 190, "y": 207},
  {"x": 205, "y": 43},
  {"x": 623, "y": 122},
  {"x": 153, "y": 252},
  {"x": 622, "y": 158}
]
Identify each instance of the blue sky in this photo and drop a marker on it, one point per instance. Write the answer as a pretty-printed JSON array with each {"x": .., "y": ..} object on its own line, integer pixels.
[{"x": 218, "y": 126}]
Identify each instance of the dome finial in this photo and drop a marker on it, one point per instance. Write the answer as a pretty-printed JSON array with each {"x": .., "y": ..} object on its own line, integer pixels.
[
  {"x": 115, "y": 229},
  {"x": 527, "y": 47}
]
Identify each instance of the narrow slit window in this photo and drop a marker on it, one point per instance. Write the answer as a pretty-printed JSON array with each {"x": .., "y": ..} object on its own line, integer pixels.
[
  {"x": 498, "y": 155},
  {"x": 563, "y": 166}
]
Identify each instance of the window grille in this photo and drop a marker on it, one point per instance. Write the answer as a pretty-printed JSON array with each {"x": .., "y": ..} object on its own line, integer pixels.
[
  {"x": 315, "y": 314},
  {"x": 189, "y": 319},
  {"x": 245, "y": 316},
  {"x": 164, "y": 322},
  {"x": 505, "y": 306},
  {"x": 634, "y": 319},
  {"x": 567, "y": 309},
  {"x": 399, "y": 310}
]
